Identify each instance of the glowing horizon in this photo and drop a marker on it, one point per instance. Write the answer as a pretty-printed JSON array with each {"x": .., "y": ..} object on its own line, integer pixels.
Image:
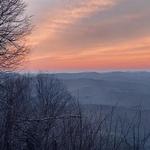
[{"x": 89, "y": 35}]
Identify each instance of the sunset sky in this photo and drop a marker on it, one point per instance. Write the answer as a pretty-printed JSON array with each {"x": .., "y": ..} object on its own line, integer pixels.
[{"x": 89, "y": 35}]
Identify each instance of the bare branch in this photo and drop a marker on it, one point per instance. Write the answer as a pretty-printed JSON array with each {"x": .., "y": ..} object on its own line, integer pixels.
[{"x": 14, "y": 27}]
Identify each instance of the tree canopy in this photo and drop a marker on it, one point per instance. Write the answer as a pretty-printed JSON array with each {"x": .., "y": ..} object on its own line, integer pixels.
[{"x": 14, "y": 26}]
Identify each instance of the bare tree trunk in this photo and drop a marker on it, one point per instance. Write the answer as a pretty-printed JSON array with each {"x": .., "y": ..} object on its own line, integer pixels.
[
  {"x": 8, "y": 143},
  {"x": 54, "y": 145}
]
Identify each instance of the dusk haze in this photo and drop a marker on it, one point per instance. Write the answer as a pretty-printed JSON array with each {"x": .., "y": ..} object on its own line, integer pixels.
[
  {"x": 74, "y": 74},
  {"x": 84, "y": 35}
]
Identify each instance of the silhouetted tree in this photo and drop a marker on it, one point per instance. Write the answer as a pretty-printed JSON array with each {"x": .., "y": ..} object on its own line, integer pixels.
[
  {"x": 38, "y": 113},
  {"x": 15, "y": 98},
  {"x": 14, "y": 26}
]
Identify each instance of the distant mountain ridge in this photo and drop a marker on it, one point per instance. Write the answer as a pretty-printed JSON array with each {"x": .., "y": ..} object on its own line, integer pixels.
[
  {"x": 124, "y": 88},
  {"x": 127, "y": 89},
  {"x": 97, "y": 75}
]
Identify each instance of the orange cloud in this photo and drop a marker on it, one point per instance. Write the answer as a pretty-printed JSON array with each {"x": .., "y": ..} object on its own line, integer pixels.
[
  {"x": 125, "y": 55},
  {"x": 65, "y": 17},
  {"x": 92, "y": 34}
]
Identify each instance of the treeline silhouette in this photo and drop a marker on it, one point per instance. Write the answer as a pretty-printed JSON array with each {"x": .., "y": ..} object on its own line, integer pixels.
[{"x": 38, "y": 113}]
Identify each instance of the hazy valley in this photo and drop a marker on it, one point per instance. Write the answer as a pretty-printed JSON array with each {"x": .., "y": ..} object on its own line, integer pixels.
[{"x": 126, "y": 89}]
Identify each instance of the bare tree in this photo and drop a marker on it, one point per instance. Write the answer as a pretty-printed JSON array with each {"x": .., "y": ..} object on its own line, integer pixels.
[
  {"x": 38, "y": 113},
  {"x": 14, "y": 26},
  {"x": 15, "y": 97}
]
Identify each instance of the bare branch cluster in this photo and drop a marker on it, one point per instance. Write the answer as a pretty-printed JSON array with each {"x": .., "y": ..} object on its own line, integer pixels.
[
  {"x": 38, "y": 113},
  {"x": 14, "y": 26}
]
